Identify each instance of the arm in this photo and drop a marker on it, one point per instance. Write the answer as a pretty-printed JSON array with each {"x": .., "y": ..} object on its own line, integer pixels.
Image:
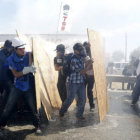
[
  {"x": 76, "y": 67},
  {"x": 16, "y": 74},
  {"x": 89, "y": 64},
  {"x": 26, "y": 70},
  {"x": 57, "y": 68}
]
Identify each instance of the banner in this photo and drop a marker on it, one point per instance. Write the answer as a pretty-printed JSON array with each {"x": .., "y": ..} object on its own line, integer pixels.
[{"x": 64, "y": 18}]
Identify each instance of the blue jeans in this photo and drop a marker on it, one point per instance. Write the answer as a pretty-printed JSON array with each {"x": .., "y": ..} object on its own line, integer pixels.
[
  {"x": 74, "y": 89},
  {"x": 14, "y": 96}
]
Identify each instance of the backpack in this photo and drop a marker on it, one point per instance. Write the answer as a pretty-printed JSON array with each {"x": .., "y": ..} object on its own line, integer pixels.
[{"x": 66, "y": 64}]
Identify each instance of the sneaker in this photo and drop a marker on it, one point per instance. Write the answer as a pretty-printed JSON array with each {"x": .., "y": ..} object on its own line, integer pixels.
[
  {"x": 92, "y": 109},
  {"x": 1, "y": 128},
  {"x": 133, "y": 104},
  {"x": 61, "y": 115},
  {"x": 38, "y": 131}
]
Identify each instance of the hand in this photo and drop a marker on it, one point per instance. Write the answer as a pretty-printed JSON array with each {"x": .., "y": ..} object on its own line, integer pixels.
[
  {"x": 90, "y": 60},
  {"x": 29, "y": 69},
  {"x": 34, "y": 69},
  {"x": 60, "y": 67},
  {"x": 87, "y": 58},
  {"x": 82, "y": 71}
]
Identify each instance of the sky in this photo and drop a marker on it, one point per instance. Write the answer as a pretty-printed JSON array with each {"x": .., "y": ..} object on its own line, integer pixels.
[{"x": 111, "y": 18}]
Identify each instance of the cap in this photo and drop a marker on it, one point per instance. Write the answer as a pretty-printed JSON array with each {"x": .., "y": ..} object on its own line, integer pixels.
[
  {"x": 17, "y": 43},
  {"x": 8, "y": 44},
  {"x": 86, "y": 44},
  {"x": 60, "y": 48}
]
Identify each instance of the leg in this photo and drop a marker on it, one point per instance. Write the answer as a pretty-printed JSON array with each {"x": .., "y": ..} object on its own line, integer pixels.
[
  {"x": 30, "y": 100},
  {"x": 12, "y": 100},
  {"x": 132, "y": 86},
  {"x": 7, "y": 89},
  {"x": 1, "y": 87},
  {"x": 73, "y": 89},
  {"x": 110, "y": 85},
  {"x": 122, "y": 85},
  {"x": 128, "y": 86},
  {"x": 90, "y": 84},
  {"x": 81, "y": 93},
  {"x": 67, "y": 88},
  {"x": 136, "y": 93},
  {"x": 61, "y": 85}
]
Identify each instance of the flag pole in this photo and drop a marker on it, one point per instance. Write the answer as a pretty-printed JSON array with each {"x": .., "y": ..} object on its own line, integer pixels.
[
  {"x": 125, "y": 46},
  {"x": 59, "y": 17}
]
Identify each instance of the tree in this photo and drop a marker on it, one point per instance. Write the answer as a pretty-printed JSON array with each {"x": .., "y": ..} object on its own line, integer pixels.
[
  {"x": 135, "y": 53},
  {"x": 134, "y": 57},
  {"x": 117, "y": 56}
]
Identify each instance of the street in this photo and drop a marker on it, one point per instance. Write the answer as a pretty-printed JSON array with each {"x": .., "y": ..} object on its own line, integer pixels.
[{"x": 122, "y": 122}]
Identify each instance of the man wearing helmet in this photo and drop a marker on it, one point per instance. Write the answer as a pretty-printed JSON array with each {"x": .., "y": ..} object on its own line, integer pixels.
[{"x": 19, "y": 64}]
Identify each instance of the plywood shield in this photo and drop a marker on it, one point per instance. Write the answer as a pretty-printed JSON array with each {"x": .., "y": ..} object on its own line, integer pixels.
[
  {"x": 45, "y": 76},
  {"x": 99, "y": 73}
]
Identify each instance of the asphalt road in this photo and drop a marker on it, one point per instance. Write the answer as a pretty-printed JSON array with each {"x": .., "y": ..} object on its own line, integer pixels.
[{"x": 122, "y": 122}]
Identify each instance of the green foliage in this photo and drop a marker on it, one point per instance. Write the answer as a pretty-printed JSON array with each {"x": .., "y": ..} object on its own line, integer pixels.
[
  {"x": 135, "y": 54},
  {"x": 117, "y": 56}
]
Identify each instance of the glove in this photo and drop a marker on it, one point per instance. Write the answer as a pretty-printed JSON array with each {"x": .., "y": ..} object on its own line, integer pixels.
[
  {"x": 87, "y": 58},
  {"x": 29, "y": 69}
]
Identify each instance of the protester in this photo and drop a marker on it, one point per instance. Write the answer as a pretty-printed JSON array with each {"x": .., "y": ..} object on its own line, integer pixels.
[
  {"x": 129, "y": 71},
  {"x": 76, "y": 82},
  {"x": 110, "y": 70},
  {"x": 6, "y": 76},
  {"x": 58, "y": 64},
  {"x": 19, "y": 63},
  {"x": 89, "y": 78},
  {"x": 136, "y": 90}
]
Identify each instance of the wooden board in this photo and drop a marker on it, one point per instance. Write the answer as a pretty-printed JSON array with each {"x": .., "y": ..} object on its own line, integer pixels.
[
  {"x": 29, "y": 47},
  {"x": 45, "y": 77},
  {"x": 99, "y": 73}
]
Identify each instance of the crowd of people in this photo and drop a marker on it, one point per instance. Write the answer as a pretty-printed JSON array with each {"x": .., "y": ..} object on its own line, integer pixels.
[
  {"x": 75, "y": 73},
  {"x": 75, "y": 78}
]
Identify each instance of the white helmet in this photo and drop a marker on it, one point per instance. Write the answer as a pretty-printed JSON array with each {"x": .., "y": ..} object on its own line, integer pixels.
[{"x": 17, "y": 43}]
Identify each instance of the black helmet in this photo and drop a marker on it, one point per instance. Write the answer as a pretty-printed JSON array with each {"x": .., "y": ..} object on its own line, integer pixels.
[
  {"x": 60, "y": 48},
  {"x": 8, "y": 44}
]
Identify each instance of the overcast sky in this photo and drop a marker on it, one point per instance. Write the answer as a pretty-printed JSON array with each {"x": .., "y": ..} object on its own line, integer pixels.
[{"x": 112, "y": 18}]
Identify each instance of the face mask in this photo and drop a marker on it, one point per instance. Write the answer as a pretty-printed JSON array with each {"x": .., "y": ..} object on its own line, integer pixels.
[
  {"x": 82, "y": 52},
  {"x": 61, "y": 54}
]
